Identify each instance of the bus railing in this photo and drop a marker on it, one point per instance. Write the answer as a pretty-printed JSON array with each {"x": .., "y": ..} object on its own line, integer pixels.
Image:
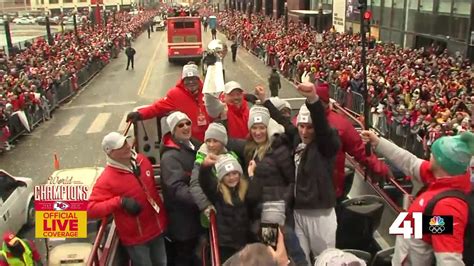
[
  {"x": 354, "y": 117},
  {"x": 93, "y": 259},
  {"x": 213, "y": 240}
]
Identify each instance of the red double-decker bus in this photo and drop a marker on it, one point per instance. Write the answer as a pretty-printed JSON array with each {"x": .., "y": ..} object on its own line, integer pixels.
[{"x": 184, "y": 39}]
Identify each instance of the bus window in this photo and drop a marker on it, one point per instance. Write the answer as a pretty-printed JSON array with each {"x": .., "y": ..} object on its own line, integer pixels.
[
  {"x": 178, "y": 39},
  {"x": 183, "y": 25},
  {"x": 191, "y": 38}
]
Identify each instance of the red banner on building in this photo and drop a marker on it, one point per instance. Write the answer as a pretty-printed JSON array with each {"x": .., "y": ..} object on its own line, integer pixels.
[{"x": 95, "y": 2}]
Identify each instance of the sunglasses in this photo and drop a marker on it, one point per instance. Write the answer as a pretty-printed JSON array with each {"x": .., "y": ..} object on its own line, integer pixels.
[{"x": 181, "y": 125}]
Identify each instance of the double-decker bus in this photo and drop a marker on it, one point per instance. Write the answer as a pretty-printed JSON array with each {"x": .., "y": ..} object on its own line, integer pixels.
[{"x": 184, "y": 38}]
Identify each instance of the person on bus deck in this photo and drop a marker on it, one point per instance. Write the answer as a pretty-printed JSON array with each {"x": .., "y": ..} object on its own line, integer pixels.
[
  {"x": 282, "y": 105},
  {"x": 177, "y": 161},
  {"x": 315, "y": 146},
  {"x": 126, "y": 189},
  {"x": 447, "y": 169},
  {"x": 234, "y": 112},
  {"x": 351, "y": 143},
  {"x": 185, "y": 97},
  {"x": 16, "y": 251},
  {"x": 267, "y": 156},
  {"x": 130, "y": 52},
  {"x": 227, "y": 193},
  {"x": 215, "y": 142}
]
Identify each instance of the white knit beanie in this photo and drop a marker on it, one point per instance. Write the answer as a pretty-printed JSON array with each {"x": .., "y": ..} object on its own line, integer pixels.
[
  {"x": 279, "y": 103},
  {"x": 174, "y": 118},
  {"x": 304, "y": 116},
  {"x": 190, "y": 70},
  {"x": 258, "y": 114}
]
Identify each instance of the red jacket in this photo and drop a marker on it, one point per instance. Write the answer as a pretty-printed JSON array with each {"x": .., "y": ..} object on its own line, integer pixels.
[
  {"x": 448, "y": 206},
  {"x": 115, "y": 183},
  {"x": 180, "y": 99},
  {"x": 353, "y": 145},
  {"x": 237, "y": 120}
]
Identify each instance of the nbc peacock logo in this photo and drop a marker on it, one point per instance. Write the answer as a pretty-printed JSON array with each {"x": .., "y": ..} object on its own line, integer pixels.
[{"x": 436, "y": 225}]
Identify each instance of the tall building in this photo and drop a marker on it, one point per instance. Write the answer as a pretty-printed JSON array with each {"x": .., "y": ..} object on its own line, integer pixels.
[
  {"x": 56, "y": 7},
  {"x": 14, "y": 5}
]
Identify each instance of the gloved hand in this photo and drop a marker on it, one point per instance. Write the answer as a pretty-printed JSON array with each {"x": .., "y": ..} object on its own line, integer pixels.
[
  {"x": 208, "y": 210},
  {"x": 133, "y": 117},
  {"x": 205, "y": 216},
  {"x": 131, "y": 206}
]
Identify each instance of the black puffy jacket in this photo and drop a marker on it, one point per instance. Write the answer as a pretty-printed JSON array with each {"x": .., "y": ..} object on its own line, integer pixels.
[{"x": 233, "y": 224}]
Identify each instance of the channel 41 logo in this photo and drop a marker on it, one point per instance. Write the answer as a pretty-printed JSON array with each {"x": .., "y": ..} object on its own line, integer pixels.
[{"x": 422, "y": 224}]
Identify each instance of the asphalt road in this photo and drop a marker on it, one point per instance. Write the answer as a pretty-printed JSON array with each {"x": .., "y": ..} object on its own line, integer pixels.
[{"x": 77, "y": 127}]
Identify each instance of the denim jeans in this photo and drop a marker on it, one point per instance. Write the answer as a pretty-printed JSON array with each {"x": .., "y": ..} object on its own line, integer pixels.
[{"x": 149, "y": 254}]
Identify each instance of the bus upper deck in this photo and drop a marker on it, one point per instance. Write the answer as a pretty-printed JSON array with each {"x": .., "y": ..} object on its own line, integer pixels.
[{"x": 377, "y": 202}]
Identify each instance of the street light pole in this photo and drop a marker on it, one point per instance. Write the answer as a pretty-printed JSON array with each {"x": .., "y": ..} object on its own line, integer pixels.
[
  {"x": 250, "y": 12},
  {"x": 286, "y": 17},
  {"x": 320, "y": 19},
  {"x": 48, "y": 30},
  {"x": 75, "y": 26},
  {"x": 363, "y": 59},
  {"x": 8, "y": 37}
]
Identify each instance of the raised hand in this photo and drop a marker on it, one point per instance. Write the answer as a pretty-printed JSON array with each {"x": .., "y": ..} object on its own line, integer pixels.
[
  {"x": 307, "y": 90},
  {"x": 260, "y": 93}
]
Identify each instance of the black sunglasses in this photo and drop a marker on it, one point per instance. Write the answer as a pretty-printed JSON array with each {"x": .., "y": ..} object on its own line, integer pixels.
[{"x": 187, "y": 123}]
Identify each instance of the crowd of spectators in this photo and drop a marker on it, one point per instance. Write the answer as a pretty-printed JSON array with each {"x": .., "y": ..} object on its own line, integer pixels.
[
  {"x": 30, "y": 77},
  {"x": 425, "y": 91}
]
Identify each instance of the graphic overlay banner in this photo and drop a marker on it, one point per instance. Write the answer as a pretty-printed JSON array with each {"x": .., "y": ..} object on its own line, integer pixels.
[
  {"x": 438, "y": 225},
  {"x": 61, "y": 211},
  {"x": 418, "y": 225}
]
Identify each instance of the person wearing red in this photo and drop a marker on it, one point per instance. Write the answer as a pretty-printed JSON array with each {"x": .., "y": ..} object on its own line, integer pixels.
[
  {"x": 447, "y": 169},
  {"x": 16, "y": 251},
  {"x": 126, "y": 189},
  {"x": 185, "y": 97},
  {"x": 351, "y": 144},
  {"x": 234, "y": 111}
]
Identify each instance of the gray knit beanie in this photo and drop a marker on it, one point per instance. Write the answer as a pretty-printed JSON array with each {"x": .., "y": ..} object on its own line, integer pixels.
[
  {"x": 226, "y": 164},
  {"x": 216, "y": 131}
]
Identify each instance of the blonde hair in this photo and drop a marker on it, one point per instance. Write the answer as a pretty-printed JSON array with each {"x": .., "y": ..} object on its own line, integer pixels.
[
  {"x": 253, "y": 150},
  {"x": 242, "y": 187}
]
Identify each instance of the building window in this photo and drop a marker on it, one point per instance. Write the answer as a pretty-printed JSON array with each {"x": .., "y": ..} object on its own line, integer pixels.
[
  {"x": 398, "y": 15},
  {"x": 426, "y": 5},
  {"x": 445, "y": 6},
  {"x": 462, "y": 7},
  {"x": 54, "y": 1},
  {"x": 82, "y": 1},
  {"x": 67, "y": 1},
  {"x": 376, "y": 11},
  {"x": 386, "y": 13},
  {"x": 413, "y": 4}
]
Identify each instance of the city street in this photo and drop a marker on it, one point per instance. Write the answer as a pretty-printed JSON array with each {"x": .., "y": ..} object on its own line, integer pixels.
[{"x": 77, "y": 128}]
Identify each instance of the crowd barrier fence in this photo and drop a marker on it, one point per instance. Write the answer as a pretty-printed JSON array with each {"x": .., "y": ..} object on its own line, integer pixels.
[{"x": 56, "y": 95}]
